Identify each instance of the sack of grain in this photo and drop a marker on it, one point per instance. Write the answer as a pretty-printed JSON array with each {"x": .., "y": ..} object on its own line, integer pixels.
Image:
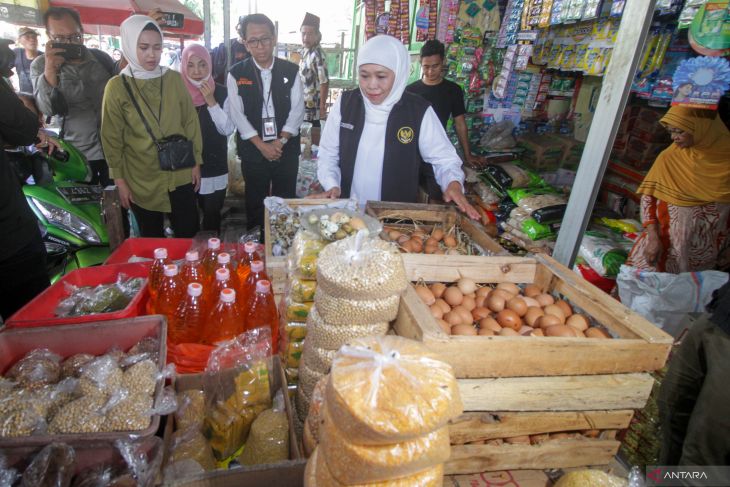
[
  {"x": 341, "y": 311},
  {"x": 331, "y": 337}
]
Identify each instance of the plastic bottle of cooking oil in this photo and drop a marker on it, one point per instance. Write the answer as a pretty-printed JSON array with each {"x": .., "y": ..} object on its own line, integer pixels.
[
  {"x": 248, "y": 288},
  {"x": 225, "y": 320},
  {"x": 210, "y": 257},
  {"x": 192, "y": 269},
  {"x": 170, "y": 292},
  {"x": 262, "y": 312},
  {"x": 248, "y": 255},
  {"x": 157, "y": 270},
  {"x": 224, "y": 262},
  {"x": 187, "y": 322}
]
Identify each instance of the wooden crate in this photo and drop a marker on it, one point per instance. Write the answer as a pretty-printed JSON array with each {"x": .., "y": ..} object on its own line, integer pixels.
[
  {"x": 640, "y": 346},
  {"x": 444, "y": 215},
  {"x": 276, "y": 265}
]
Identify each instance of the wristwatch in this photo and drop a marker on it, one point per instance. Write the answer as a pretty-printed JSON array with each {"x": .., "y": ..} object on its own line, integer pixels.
[{"x": 283, "y": 140}]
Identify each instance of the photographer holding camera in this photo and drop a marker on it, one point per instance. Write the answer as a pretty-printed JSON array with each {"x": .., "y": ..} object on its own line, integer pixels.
[{"x": 69, "y": 82}]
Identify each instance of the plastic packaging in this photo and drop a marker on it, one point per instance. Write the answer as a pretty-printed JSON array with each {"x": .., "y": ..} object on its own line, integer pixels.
[
  {"x": 236, "y": 386},
  {"x": 189, "y": 449},
  {"x": 104, "y": 298},
  {"x": 143, "y": 458},
  {"x": 361, "y": 268},
  {"x": 192, "y": 270},
  {"x": 389, "y": 389},
  {"x": 508, "y": 176},
  {"x": 157, "y": 269},
  {"x": 297, "y": 312},
  {"x": 53, "y": 466},
  {"x": 315, "y": 416},
  {"x": 499, "y": 136},
  {"x": 190, "y": 413},
  {"x": 225, "y": 322},
  {"x": 73, "y": 365},
  {"x": 486, "y": 193},
  {"x": 268, "y": 440},
  {"x": 170, "y": 292},
  {"x": 8, "y": 476},
  {"x": 353, "y": 312},
  {"x": 305, "y": 249},
  {"x": 317, "y": 359},
  {"x": 23, "y": 412},
  {"x": 302, "y": 290},
  {"x": 186, "y": 324},
  {"x": 604, "y": 254},
  {"x": 101, "y": 375},
  {"x": 262, "y": 312},
  {"x": 38, "y": 368},
  {"x": 332, "y": 337},
  {"x": 594, "y": 478}
]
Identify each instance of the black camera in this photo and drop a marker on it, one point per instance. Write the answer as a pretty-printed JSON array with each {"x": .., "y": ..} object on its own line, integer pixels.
[
  {"x": 70, "y": 52},
  {"x": 173, "y": 20}
]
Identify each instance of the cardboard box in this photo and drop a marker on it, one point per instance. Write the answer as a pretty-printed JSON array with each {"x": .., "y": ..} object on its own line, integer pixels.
[
  {"x": 510, "y": 478},
  {"x": 652, "y": 131},
  {"x": 542, "y": 152},
  {"x": 641, "y": 154}
]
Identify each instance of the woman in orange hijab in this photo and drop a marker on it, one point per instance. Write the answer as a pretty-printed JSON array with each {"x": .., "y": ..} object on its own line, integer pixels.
[{"x": 685, "y": 197}]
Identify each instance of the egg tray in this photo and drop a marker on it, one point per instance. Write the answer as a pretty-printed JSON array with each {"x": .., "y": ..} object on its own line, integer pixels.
[{"x": 465, "y": 245}]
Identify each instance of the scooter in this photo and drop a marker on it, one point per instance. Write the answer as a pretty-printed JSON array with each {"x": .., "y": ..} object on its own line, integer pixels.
[{"x": 68, "y": 209}]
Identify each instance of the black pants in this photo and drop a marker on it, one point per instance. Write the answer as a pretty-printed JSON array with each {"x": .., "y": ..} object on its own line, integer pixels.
[
  {"x": 22, "y": 277},
  {"x": 211, "y": 206},
  {"x": 264, "y": 178},
  {"x": 100, "y": 173},
  {"x": 183, "y": 215}
]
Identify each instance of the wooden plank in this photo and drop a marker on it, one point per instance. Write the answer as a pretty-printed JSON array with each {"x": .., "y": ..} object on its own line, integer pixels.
[
  {"x": 543, "y": 277},
  {"x": 416, "y": 322},
  {"x": 602, "y": 307},
  {"x": 412, "y": 211},
  {"x": 450, "y": 268},
  {"x": 552, "y": 454},
  {"x": 479, "y": 235},
  {"x": 112, "y": 214},
  {"x": 564, "y": 393},
  {"x": 477, "y": 426}
]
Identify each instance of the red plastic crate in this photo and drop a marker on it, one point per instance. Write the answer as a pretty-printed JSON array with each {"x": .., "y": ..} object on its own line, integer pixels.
[
  {"x": 40, "y": 311},
  {"x": 92, "y": 338},
  {"x": 145, "y": 247}
]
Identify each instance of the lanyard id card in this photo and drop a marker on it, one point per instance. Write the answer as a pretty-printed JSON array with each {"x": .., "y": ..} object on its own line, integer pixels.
[{"x": 268, "y": 129}]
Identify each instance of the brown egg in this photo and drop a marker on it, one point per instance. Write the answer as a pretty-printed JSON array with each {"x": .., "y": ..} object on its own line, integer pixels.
[
  {"x": 509, "y": 319},
  {"x": 480, "y": 301},
  {"x": 590, "y": 433},
  {"x": 394, "y": 235},
  {"x": 403, "y": 239},
  {"x": 453, "y": 296},
  {"x": 444, "y": 305},
  {"x": 531, "y": 302},
  {"x": 463, "y": 330},
  {"x": 567, "y": 309},
  {"x": 540, "y": 438},
  {"x": 438, "y": 288},
  {"x": 469, "y": 303},
  {"x": 464, "y": 313},
  {"x": 537, "y": 332},
  {"x": 502, "y": 293},
  {"x": 490, "y": 323},
  {"x": 544, "y": 299},
  {"x": 525, "y": 330},
  {"x": 594, "y": 332},
  {"x": 532, "y": 290},
  {"x": 436, "y": 311},
  {"x": 533, "y": 313},
  {"x": 560, "y": 331},
  {"x": 450, "y": 241},
  {"x": 418, "y": 233},
  {"x": 547, "y": 321},
  {"x": 517, "y": 304},
  {"x": 508, "y": 332},
  {"x": 466, "y": 285},
  {"x": 445, "y": 327},
  {"x": 426, "y": 295},
  {"x": 479, "y": 313},
  {"x": 511, "y": 288},
  {"x": 495, "y": 303},
  {"x": 437, "y": 234},
  {"x": 431, "y": 242},
  {"x": 429, "y": 249},
  {"x": 416, "y": 245},
  {"x": 579, "y": 322},
  {"x": 555, "y": 310},
  {"x": 453, "y": 318},
  {"x": 407, "y": 246},
  {"x": 486, "y": 332},
  {"x": 483, "y": 291},
  {"x": 472, "y": 295}
]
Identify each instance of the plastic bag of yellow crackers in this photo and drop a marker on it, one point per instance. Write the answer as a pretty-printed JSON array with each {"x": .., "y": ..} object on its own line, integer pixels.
[{"x": 237, "y": 389}]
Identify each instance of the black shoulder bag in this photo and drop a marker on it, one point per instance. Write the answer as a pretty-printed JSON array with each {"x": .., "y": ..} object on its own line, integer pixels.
[{"x": 174, "y": 151}]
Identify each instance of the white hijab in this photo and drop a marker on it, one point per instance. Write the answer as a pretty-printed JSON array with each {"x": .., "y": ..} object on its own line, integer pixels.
[
  {"x": 389, "y": 52},
  {"x": 130, "y": 32}
]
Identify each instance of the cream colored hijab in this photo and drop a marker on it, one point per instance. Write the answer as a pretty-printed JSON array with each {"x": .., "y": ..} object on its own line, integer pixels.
[
  {"x": 389, "y": 52},
  {"x": 130, "y": 31}
]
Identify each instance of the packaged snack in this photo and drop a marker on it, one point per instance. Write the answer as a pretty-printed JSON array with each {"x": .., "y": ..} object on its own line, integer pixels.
[
  {"x": 104, "y": 298},
  {"x": 604, "y": 254},
  {"x": 268, "y": 441},
  {"x": 54, "y": 465},
  {"x": 73, "y": 365},
  {"x": 293, "y": 354},
  {"x": 38, "y": 368},
  {"x": 190, "y": 413},
  {"x": 544, "y": 204},
  {"x": 190, "y": 449},
  {"x": 297, "y": 312},
  {"x": 302, "y": 290}
]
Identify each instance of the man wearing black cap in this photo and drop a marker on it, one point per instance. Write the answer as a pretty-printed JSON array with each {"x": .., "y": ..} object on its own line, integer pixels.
[
  {"x": 313, "y": 71},
  {"x": 24, "y": 56}
]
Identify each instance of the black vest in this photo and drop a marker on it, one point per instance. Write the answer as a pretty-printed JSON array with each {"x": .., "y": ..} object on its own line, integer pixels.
[
  {"x": 401, "y": 158},
  {"x": 248, "y": 79},
  {"x": 215, "y": 145}
]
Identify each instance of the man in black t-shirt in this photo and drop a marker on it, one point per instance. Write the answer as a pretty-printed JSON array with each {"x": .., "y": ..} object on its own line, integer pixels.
[{"x": 447, "y": 100}]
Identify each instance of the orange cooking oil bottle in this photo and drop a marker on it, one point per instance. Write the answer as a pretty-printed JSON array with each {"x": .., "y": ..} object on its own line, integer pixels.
[
  {"x": 221, "y": 281},
  {"x": 248, "y": 288},
  {"x": 262, "y": 312},
  {"x": 187, "y": 322},
  {"x": 224, "y": 262},
  {"x": 210, "y": 257},
  {"x": 157, "y": 270},
  {"x": 225, "y": 320},
  {"x": 192, "y": 269},
  {"x": 248, "y": 255},
  {"x": 170, "y": 292}
]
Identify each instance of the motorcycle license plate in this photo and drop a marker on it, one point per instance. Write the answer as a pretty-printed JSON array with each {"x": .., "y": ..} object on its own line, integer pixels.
[{"x": 81, "y": 194}]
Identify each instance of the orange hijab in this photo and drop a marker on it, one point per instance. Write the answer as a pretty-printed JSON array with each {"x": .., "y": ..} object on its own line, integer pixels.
[{"x": 696, "y": 175}]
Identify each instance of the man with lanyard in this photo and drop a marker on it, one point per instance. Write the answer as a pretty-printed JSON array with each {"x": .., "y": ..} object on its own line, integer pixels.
[
  {"x": 447, "y": 99},
  {"x": 266, "y": 105},
  {"x": 69, "y": 82},
  {"x": 313, "y": 70},
  {"x": 24, "y": 56}
]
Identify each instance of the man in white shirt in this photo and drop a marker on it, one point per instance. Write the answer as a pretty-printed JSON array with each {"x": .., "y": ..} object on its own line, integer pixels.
[{"x": 267, "y": 107}]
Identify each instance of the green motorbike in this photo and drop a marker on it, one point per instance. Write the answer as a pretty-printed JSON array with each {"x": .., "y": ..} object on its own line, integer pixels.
[{"x": 68, "y": 209}]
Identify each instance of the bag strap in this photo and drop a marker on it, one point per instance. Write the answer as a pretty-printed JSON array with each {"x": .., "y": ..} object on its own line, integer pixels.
[{"x": 139, "y": 111}]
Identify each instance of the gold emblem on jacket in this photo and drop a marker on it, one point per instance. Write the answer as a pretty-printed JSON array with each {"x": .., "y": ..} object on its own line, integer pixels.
[{"x": 405, "y": 135}]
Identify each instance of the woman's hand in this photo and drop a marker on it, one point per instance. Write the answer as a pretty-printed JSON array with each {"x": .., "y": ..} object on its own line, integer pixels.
[
  {"x": 454, "y": 193},
  {"x": 333, "y": 193},
  {"x": 125, "y": 194},
  {"x": 196, "y": 178},
  {"x": 653, "y": 249},
  {"x": 208, "y": 94}
]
